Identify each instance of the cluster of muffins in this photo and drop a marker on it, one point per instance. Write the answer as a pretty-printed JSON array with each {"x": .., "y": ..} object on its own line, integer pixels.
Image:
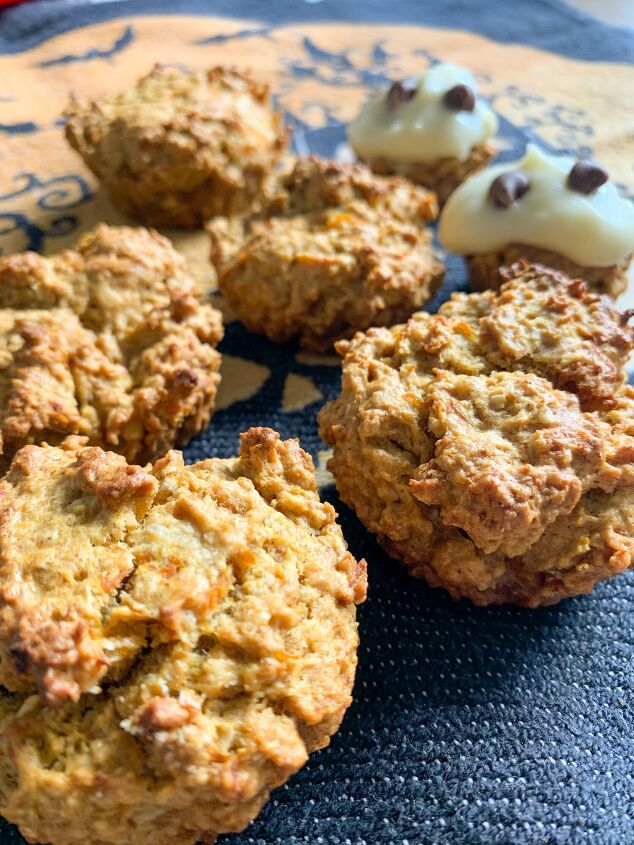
[{"x": 176, "y": 639}]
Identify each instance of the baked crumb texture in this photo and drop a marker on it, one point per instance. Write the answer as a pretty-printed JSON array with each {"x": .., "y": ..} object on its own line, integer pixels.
[
  {"x": 174, "y": 639},
  {"x": 490, "y": 447},
  {"x": 110, "y": 340},
  {"x": 335, "y": 250},
  {"x": 487, "y": 271},
  {"x": 442, "y": 176},
  {"x": 180, "y": 147}
]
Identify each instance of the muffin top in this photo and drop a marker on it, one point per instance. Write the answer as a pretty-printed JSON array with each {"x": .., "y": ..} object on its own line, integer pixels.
[
  {"x": 220, "y": 115},
  {"x": 335, "y": 249}
]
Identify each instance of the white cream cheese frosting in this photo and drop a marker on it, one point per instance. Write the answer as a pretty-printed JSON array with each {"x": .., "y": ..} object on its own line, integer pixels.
[
  {"x": 593, "y": 230},
  {"x": 423, "y": 128}
]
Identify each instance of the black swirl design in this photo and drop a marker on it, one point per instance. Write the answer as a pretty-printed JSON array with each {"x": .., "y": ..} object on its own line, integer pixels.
[
  {"x": 121, "y": 43},
  {"x": 50, "y": 197}
]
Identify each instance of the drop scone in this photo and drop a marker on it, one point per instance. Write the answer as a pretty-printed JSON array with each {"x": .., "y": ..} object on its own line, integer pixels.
[
  {"x": 552, "y": 210},
  {"x": 336, "y": 249},
  {"x": 110, "y": 340},
  {"x": 432, "y": 128},
  {"x": 175, "y": 639},
  {"x": 180, "y": 147},
  {"x": 490, "y": 446}
]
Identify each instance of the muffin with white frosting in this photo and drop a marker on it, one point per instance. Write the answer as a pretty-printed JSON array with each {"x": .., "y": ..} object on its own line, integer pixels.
[
  {"x": 546, "y": 209},
  {"x": 432, "y": 128}
]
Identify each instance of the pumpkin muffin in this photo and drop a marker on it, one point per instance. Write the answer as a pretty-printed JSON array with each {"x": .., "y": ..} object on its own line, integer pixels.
[
  {"x": 490, "y": 446},
  {"x": 110, "y": 340},
  {"x": 180, "y": 147},
  {"x": 336, "y": 250},
  {"x": 432, "y": 128},
  {"x": 175, "y": 639},
  {"x": 552, "y": 210}
]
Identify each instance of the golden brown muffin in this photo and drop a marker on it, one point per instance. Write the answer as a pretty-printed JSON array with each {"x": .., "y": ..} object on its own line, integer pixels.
[
  {"x": 180, "y": 147},
  {"x": 110, "y": 340},
  {"x": 490, "y": 446},
  {"x": 487, "y": 271},
  {"x": 175, "y": 639},
  {"x": 336, "y": 250}
]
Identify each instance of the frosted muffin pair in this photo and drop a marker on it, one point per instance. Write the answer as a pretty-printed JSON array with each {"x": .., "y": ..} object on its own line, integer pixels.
[{"x": 565, "y": 214}]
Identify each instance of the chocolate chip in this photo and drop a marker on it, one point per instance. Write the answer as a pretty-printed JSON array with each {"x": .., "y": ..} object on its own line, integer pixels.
[
  {"x": 586, "y": 176},
  {"x": 459, "y": 98},
  {"x": 20, "y": 656},
  {"x": 507, "y": 188},
  {"x": 401, "y": 92}
]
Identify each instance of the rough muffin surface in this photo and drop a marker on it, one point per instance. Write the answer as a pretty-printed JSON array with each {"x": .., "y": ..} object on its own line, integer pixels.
[
  {"x": 180, "y": 147},
  {"x": 175, "y": 639},
  {"x": 487, "y": 271},
  {"x": 336, "y": 250},
  {"x": 110, "y": 340},
  {"x": 442, "y": 176},
  {"x": 490, "y": 446}
]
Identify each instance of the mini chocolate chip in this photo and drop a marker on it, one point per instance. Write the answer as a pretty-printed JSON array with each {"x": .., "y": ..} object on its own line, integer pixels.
[
  {"x": 459, "y": 98},
  {"x": 20, "y": 656},
  {"x": 507, "y": 188},
  {"x": 401, "y": 92},
  {"x": 586, "y": 176}
]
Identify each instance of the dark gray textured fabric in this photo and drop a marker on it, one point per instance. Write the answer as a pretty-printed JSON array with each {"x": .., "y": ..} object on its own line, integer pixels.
[{"x": 470, "y": 726}]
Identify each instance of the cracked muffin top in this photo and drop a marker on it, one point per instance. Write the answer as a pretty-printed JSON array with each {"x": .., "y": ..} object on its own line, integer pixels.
[
  {"x": 109, "y": 340},
  {"x": 490, "y": 446},
  {"x": 180, "y": 146},
  {"x": 174, "y": 641},
  {"x": 334, "y": 250}
]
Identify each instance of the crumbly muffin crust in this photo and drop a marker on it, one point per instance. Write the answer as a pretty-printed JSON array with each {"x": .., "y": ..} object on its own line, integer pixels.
[
  {"x": 487, "y": 271},
  {"x": 442, "y": 176},
  {"x": 110, "y": 340},
  {"x": 180, "y": 147},
  {"x": 490, "y": 446},
  {"x": 174, "y": 641},
  {"x": 334, "y": 251}
]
